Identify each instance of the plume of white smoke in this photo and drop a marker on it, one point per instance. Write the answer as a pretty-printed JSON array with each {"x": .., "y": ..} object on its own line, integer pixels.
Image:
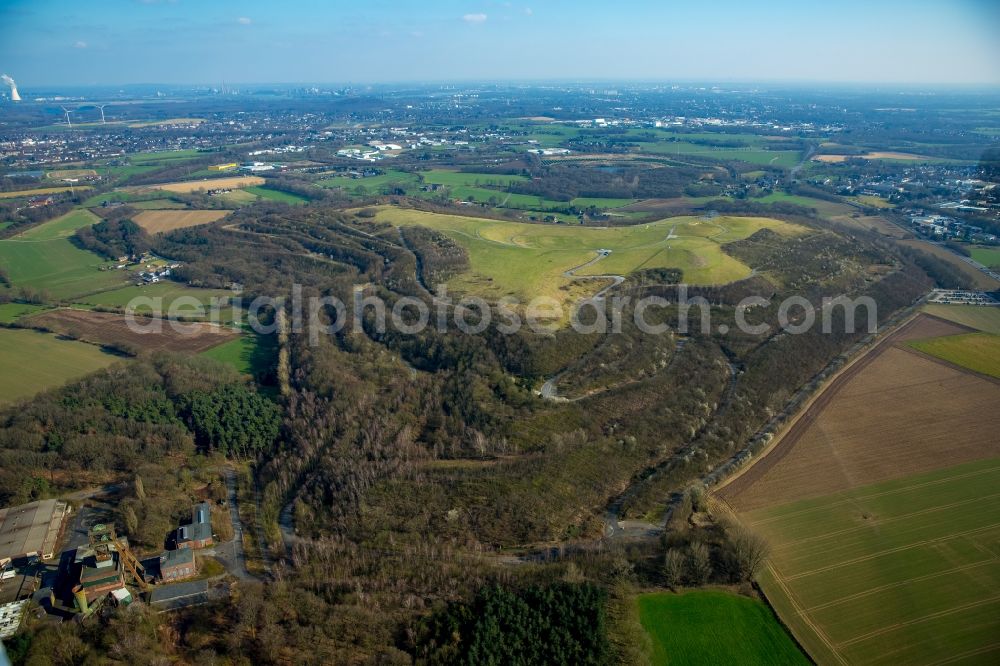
[{"x": 14, "y": 97}]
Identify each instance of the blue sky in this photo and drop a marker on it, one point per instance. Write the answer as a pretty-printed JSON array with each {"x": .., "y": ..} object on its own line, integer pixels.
[{"x": 51, "y": 42}]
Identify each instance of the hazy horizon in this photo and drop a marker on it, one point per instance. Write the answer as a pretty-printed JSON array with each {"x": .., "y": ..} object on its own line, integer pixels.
[{"x": 179, "y": 42}]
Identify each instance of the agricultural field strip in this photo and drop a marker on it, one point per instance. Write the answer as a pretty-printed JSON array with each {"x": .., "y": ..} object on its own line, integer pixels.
[
  {"x": 938, "y": 576},
  {"x": 901, "y": 583},
  {"x": 961, "y": 656},
  {"x": 889, "y": 551},
  {"x": 804, "y": 615},
  {"x": 855, "y": 500},
  {"x": 925, "y": 618},
  {"x": 891, "y": 519}
]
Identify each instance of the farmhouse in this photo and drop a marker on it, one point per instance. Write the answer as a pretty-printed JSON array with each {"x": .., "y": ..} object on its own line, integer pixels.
[
  {"x": 31, "y": 529},
  {"x": 198, "y": 534}
]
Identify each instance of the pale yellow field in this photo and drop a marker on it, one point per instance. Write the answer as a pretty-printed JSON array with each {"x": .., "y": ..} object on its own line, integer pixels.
[
  {"x": 70, "y": 173},
  {"x": 160, "y": 221},
  {"x": 169, "y": 121},
  {"x": 210, "y": 184},
  {"x": 874, "y": 155},
  {"x": 890, "y": 155},
  {"x": 830, "y": 158},
  {"x": 41, "y": 190}
]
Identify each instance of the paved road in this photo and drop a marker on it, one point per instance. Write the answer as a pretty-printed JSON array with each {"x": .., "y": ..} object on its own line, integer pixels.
[{"x": 231, "y": 553}]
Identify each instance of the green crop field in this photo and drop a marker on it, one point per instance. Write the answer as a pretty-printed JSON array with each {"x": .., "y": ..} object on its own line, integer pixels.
[
  {"x": 528, "y": 260},
  {"x": 715, "y": 627},
  {"x": 975, "y": 351},
  {"x": 987, "y": 256},
  {"x": 276, "y": 195},
  {"x": 974, "y": 316},
  {"x": 31, "y": 362},
  {"x": 44, "y": 258},
  {"x": 899, "y": 572}
]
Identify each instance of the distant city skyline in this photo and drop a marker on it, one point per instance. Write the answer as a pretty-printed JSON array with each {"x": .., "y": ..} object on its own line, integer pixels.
[{"x": 57, "y": 42}]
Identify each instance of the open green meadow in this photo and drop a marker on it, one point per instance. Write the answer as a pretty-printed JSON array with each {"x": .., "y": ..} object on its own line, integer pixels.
[
  {"x": 975, "y": 351},
  {"x": 60, "y": 227},
  {"x": 165, "y": 156},
  {"x": 249, "y": 353},
  {"x": 987, "y": 256},
  {"x": 127, "y": 197},
  {"x": 167, "y": 292},
  {"x": 275, "y": 195},
  {"x": 31, "y": 362},
  {"x": 468, "y": 179},
  {"x": 714, "y": 627},
  {"x": 974, "y": 316},
  {"x": 750, "y": 154},
  {"x": 11, "y": 312},
  {"x": 527, "y": 260},
  {"x": 44, "y": 258},
  {"x": 899, "y": 572},
  {"x": 374, "y": 184}
]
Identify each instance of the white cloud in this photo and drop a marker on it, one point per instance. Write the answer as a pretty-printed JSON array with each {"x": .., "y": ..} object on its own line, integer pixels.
[
  {"x": 243, "y": 20},
  {"x": 474, "y": 18},
  {"x": 80, "y": 45}
]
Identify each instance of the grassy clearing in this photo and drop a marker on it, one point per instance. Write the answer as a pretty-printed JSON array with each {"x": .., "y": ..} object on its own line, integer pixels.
[
  {"x": 60, "y": 227},
  {"x": 902, "y": 571},
  {"x": 127, "y": 197},
  {"x": 460, "y": 179},
  {"x": 873, "y": 202},
  {"x": 140, "y": 159},
  {"x": 715, "y": 627},
  {"x": 276, "y": 195},
  {"x": 44, "y": 258},
  {"x": 31, "y": 362},
  {"x": 979, "y": 279},
  {"x": 528, "y": 260},
  {"x": 974, "y": 316},
  {"x": 11, "y": 312},
  {"x": 42, "y": 190},
  {"x": 166, "y": 292},
  {"x": 600, "y": 202},
  {"x": 161, "y": 221},
  {"x": 249, "y": 353},
  {"x": 749, "y": 154},
  {"x": 975, "y": 351},
  {"x": 387, "y": 181},
  {"x": 987, "y": 256}
]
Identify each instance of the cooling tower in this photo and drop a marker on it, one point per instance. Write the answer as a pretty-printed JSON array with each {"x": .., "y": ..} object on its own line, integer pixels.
[{"x": 14, "y": 97}]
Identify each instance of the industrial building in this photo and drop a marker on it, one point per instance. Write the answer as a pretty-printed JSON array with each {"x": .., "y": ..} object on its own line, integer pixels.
[
  {"x": 104, "y": 567},
  {"x": 223, "y": 167},
  {"x": 177, "y": 565},
  {"x": 199, "y": 533},
  {"x": 31, "y": 529}
]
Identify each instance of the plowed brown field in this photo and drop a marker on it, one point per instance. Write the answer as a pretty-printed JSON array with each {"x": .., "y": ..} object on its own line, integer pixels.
[
  {"x": 108, "y": 328},
  {"x": 891, "y": 414}
]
